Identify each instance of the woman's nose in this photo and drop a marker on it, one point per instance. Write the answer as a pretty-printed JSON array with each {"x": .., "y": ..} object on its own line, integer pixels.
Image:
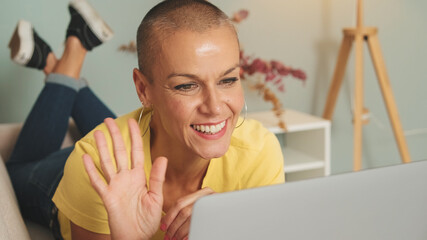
[{"x": 212, "y": 103}]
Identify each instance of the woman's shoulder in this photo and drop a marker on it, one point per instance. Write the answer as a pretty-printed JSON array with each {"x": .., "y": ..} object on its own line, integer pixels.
[
  {"x": 251, "y": 135},
  {"x": 121, "y": 121},
  {"x": 255, "y": 157}
]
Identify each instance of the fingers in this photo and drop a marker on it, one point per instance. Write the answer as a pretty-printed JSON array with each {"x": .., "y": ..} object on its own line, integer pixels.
[
  {"x": 180, "y": 227},
  {"x": 95, "y": 179},
  {"x": 157, "y": 176},
  {"x": 137, "y": 152},
  {"x": 118, "y": 145},
  {"x": 181, "y": 212},
  {"x": 104, "y": 155},
  {"x": 183, "y": 231}
]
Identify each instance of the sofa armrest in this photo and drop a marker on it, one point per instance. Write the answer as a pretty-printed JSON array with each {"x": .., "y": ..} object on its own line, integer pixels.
[{"x": 12, "y": 225}]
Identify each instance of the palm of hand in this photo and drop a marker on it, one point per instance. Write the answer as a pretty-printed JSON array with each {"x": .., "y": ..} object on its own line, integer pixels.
[
  {"x": 127, "y": 199},
  {"x": 134, "y": 212}
]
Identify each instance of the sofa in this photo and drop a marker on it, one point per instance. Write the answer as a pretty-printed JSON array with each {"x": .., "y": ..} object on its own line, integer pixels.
[{"x": 12, "y": 225}]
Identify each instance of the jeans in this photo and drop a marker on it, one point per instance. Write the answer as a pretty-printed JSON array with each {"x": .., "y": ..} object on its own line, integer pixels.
[{"x": 36, "y": 164}]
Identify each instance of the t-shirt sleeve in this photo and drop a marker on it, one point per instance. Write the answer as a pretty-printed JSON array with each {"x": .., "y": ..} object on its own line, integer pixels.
[
  {"x": 266, "y": 167},
  {"x": 75, "y": 197}
]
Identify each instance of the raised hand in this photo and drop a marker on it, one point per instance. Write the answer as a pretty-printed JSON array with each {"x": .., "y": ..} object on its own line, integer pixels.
[
  {"x": 176, "y": 222},
  {"x": 134, "y": 211}
]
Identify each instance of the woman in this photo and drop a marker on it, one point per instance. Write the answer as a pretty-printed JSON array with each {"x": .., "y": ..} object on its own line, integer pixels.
[{"x": 188, "y": 83}]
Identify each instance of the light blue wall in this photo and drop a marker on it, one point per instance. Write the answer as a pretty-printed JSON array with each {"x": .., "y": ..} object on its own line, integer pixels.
[{"x": 304, "y": 34}]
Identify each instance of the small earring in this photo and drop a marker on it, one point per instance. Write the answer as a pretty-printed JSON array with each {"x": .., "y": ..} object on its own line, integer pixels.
[
  {"x": 244, "y": 116},
  {"x": 140, "y": 116}
]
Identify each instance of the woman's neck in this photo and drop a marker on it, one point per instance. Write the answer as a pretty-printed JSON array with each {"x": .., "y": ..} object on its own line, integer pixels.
[{"x": 184, "y": 167}]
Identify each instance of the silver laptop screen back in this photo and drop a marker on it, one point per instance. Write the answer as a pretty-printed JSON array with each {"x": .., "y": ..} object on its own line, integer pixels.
[{"x": 384, "y": 203}]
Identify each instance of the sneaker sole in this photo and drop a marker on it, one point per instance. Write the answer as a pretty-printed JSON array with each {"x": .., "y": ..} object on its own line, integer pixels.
[
  {"x": 22, "y": 43},
  {"x": 98, "y": 26}
]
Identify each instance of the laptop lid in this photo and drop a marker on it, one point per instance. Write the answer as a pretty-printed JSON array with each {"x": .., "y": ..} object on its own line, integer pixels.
[{"x": 383, "y": 203}]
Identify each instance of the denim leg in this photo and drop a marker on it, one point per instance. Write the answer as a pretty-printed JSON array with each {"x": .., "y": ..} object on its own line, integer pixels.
[
  {"x": 46, "y": 125},
  {"x": 35, "y": 184},
  {"x": 88, "y": 111},
  {"x": 36, "y": 165}
]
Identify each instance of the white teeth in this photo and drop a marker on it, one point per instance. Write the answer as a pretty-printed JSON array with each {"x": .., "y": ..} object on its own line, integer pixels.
[{"x": 212, "y": 129}]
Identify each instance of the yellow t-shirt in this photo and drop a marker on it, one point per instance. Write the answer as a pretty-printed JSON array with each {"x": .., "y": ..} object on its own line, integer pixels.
[{"x": 253, "y": 159}]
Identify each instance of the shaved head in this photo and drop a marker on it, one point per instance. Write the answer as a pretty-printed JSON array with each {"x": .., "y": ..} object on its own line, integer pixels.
[{"x": 171, "y": 16}]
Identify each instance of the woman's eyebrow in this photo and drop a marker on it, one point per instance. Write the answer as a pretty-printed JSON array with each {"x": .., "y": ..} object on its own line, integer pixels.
[
  {"x": 186, "y": 75},
  {"x": 195, "y": 77},
  {"x": 230, "y": 70}
]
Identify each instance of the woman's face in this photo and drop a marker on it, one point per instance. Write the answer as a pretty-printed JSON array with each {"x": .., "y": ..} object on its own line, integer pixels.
[{"x": 196, "y": 91}]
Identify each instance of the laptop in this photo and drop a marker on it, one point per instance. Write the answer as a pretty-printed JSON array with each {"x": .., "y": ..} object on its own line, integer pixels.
[{"x": 383, "y": 203}]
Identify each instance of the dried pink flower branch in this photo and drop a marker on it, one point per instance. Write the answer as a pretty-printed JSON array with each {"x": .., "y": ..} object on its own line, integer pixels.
[
  {"x": 240, "y": 16},
  {"x": 131, "y": 47},
  {"x": 272, "y": 71}
]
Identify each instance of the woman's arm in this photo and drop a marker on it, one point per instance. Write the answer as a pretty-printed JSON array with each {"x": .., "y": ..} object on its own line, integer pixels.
[{"x": 81, "y": 233}]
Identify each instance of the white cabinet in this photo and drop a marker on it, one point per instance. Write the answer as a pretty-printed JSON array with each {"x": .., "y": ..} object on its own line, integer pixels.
[{"x": 305, "y": 144}]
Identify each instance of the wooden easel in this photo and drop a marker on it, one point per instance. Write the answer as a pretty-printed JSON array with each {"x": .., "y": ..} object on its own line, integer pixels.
[{"x": 358, "y": 35}]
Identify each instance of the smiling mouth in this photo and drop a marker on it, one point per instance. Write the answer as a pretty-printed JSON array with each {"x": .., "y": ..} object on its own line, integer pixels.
[{"x": 209, "y": 129}]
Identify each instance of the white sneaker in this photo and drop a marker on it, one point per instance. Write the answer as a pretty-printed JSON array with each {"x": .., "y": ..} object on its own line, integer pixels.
[
  {"x": 27, "y": 48},
  {"x": 87, "y": 25}
]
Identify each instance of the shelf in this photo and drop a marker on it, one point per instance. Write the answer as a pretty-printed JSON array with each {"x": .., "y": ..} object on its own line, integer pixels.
[
  {"x": 296, "y": 161},
  {"x": 295, "y": 121},
  {"x": 305, "y": 144}
]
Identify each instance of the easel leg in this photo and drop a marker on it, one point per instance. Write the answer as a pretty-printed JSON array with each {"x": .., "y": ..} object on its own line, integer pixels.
[
  {"x": 338, "y": 77},
  {"x": 358, "y": 104},
  {"x": 384, "y": 82}
]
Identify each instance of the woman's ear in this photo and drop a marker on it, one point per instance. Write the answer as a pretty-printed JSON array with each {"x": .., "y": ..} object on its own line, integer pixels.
[{"x": 141, "y": 85}]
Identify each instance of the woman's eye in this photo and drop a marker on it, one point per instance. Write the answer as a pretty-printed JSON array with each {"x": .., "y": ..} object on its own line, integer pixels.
[
  {"x": 229, "y": 81},
  {"x": 186, "y": 87}
]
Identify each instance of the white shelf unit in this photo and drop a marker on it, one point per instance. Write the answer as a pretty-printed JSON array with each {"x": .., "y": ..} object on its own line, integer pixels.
[{"x": 305, "y": 144}]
